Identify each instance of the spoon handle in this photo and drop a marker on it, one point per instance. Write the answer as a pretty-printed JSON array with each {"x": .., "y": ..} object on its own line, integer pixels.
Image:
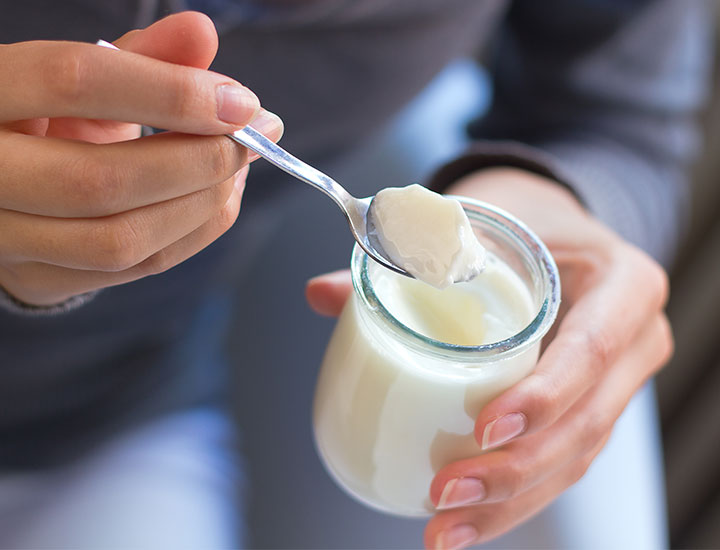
[
  {"x": 355, "y": 210},
  {"x": 273, "y": 153}
]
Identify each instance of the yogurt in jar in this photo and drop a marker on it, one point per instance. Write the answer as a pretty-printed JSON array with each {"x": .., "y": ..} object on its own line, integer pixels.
[{"x": 409, "y": 367}]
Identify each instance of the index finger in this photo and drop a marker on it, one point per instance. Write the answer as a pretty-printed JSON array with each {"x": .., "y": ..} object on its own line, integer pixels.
[
  {"x": 75, "y": 179},
  {"x": 70, "y": 79},
  {"x": 595, "y": 330}
]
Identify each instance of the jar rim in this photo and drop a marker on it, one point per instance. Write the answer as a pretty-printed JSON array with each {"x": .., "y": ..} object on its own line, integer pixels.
[{"x": 533, "y": 247}]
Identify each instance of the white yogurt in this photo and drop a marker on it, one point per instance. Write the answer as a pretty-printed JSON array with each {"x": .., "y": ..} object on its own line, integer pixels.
[
  {"x": 426, "y": 234},
  {"x": 493, "y": 306},
  {"x": 386, "y": 417}
]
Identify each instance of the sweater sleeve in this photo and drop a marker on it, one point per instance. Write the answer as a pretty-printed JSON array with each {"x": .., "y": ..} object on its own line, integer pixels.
[{"x": 601, "y": 96}]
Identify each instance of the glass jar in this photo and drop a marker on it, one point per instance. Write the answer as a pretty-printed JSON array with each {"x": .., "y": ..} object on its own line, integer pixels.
[{"x": 393, "y": 406}]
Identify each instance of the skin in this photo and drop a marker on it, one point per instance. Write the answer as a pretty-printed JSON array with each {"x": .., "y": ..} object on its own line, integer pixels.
[
  {"x": 87, "y": 203},
  {"x": 611, "y": 336}
]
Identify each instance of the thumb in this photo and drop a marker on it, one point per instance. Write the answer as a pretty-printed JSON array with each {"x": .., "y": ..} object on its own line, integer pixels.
[
  {"x": 328, "y": 293},
  {"x": 187, "y": 38}
]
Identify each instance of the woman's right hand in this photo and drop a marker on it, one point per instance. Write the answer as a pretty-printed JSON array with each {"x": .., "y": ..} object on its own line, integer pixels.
[{"x": 85, "y": 203}]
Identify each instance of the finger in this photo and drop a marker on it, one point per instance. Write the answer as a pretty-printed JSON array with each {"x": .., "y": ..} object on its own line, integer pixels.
[
  {"x": 328, "y": 293},
  {"x": 592, "y": 334},
  {"x": 112, "y": 243},
  {"x": 188, "y": 38},
  {"x": 68, "y": 79},
  {"x": 76, "y": 179},
  {"x": 462, "y": 527},
  {"x": 45, "y": 284},
  {"x": 509, "y": 471}
]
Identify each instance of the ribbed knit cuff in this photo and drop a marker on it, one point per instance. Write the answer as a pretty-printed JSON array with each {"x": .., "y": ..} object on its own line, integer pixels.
[
  {"x": 9, "y": 303},
  {"x": 494, "y": 154}
]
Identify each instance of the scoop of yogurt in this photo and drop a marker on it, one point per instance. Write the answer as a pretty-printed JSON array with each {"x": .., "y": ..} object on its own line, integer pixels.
[{"x": 426, "y": 234}]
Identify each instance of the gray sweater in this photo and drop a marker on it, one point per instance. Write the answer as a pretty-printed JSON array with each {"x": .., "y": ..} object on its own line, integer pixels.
[{"x": 599, "y": 95}]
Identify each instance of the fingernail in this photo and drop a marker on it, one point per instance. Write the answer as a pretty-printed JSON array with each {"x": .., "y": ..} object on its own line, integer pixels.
[
  {"x": 503, "y": 429},
  {"x": 236, "y": 105},
  {"x": 460, "y": 492},
  {"x": 456, "y": 537},
  {"x": 267, "y": 123}
]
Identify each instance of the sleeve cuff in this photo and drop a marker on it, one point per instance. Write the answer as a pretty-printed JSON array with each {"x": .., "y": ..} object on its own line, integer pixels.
[
  {"x": 8, "y": 302},
  {"x": 492, "y": 154}
]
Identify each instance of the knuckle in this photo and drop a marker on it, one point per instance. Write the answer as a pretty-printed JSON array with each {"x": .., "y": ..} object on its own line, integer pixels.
[
  {"x": 182, "y": 97},
  {"x": 517, "y": 477},
  {"x": 666, "y": 346},
  {"x": 599, "y": 348},
  {"x": 649, "y": 275},
  {"x": 219, "y": 195},
  {"x": 657, "y": 282},
  {"x": 66, "y": 74},
  {"x": 662, "y": 283},
  {"x": 579, "y": 468},
  {"x": 115, "y": 246},
  {"x": 159, "y": 262},
  {"x": 227, "y": 215},
  {"x": 542, "y": 400},
  {"x": 94, "y": 187},
  {"x": 593, "y": 429},
  {"x": 224, "y": 159}
]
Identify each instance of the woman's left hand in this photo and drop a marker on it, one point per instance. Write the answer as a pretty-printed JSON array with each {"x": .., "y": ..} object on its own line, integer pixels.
[{"x": 543, "y": 433}]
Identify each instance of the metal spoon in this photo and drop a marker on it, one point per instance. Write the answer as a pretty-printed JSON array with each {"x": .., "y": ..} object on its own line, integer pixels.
[{"x": 357, "y": 211}]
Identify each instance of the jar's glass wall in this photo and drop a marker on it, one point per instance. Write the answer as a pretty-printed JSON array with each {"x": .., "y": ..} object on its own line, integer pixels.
[{"x": 393, "y": 406}]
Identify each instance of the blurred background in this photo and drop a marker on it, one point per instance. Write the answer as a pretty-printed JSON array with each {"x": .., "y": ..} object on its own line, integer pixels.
[{"x": 689, "y": 387}]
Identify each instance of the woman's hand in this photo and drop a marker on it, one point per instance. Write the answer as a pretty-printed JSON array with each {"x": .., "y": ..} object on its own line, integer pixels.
[
  {"x": 86, "y": 203},
  {"x": 544, "y": 432}
]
